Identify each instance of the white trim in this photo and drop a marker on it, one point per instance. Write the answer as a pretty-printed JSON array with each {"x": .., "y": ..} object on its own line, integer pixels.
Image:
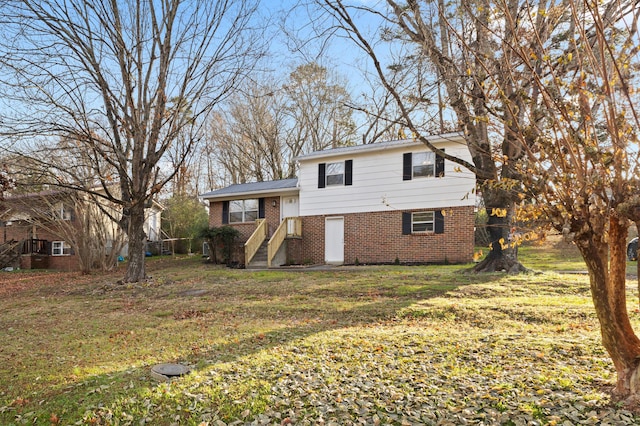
[
  {"x": 381, "y": 146},
  {"x": 63, "y": 246},
  {"x": 251, "y": 194}
]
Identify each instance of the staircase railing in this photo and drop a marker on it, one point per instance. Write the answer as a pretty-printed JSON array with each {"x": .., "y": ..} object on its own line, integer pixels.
[
  {"x": 255, "y": 240},
  {"x": 290, "y": 227}
]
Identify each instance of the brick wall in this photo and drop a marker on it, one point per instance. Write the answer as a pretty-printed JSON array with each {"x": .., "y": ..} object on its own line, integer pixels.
[
  {"x": 19, "y": 231},
  {"x": 377, "y": 238},
  {"x": 271, "y": 215},
  {"x": 370, "y": 237}
]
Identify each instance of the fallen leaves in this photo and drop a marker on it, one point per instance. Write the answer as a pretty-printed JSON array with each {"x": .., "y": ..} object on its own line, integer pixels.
[{"x": 393, "y": 346}]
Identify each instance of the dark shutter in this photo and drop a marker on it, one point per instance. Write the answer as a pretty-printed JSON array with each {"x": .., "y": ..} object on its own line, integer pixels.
[
  {"x": 348, "y": 172},
  {"x": 321, "y": 174},
  {"x": 439, "y": 165},
  {"x": 225, "y": 212},
  {"x": 406, "y": 223},
  {"x": 71, "y": 250},
  {"x": 260, "y": 208},
  {"x": 406, "y": 166},
  {"x": 439, "y": 225},
  {"x": 48, "y": 248}
]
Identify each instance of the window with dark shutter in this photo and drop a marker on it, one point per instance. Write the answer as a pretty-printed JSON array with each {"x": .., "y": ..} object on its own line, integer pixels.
[
  {"x": 321, "y": 174},
  {"x": 406, "y": 166},
  {"x": 439, "y": 219},
  {"x": 406, "y": 223},
  {"x": 439, "y": 165},
  {"x": 225, "y": 212}
]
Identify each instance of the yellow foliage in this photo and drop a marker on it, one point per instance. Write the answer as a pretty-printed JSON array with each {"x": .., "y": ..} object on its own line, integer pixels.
[{"x": 498, "y": 212}]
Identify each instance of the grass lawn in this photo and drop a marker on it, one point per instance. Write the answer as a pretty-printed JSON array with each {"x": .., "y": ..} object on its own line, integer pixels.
[{"x": 352, "y": 345}]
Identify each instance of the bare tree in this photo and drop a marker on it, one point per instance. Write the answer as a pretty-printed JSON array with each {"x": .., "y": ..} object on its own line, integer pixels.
[
  {"x": 264, "y": 127},
  {"x": 76, "y": 219},
  {"x": 318, "y": 106},
  {"x": 108, "y": 75}
]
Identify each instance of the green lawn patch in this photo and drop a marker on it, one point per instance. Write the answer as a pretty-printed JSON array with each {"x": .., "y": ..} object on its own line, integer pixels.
[{"x": 354, "y": 345}]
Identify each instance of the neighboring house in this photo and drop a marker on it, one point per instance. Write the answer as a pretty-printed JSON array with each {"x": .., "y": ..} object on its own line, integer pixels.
[
  {"x": 379, "y": 203},
  {"x": 38, "y": 227}
]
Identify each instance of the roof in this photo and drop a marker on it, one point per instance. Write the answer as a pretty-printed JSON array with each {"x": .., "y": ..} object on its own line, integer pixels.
[
  {"x": 380, "y": 146},
  {"x": 253, "y": 188}
]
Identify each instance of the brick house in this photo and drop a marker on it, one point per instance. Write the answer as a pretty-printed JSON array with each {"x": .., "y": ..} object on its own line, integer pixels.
[
  {"x": 37, "y": 227},
  {"x": 379, "y": 203}
]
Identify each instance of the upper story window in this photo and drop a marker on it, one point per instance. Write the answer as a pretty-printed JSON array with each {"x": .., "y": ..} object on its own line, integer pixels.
[
  {"x": 335, "y": 174},
  {"x": 422, "y": 164},
  {"x": 243, "y": 211},
  {"x": 62, "y": 212}
]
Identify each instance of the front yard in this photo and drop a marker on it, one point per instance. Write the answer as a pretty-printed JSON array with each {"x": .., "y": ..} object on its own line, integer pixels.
[{"x": 353, "y": 345}]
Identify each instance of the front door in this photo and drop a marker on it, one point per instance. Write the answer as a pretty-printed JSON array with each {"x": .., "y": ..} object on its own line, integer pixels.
[
  {"x": 334, "y": 240},
  {"x": 289, "y": 209}
]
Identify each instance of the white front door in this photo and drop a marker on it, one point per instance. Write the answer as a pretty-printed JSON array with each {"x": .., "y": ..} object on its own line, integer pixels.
[
  {"x": 289, "y": 209},
  {"x": 334, "y": 240}
]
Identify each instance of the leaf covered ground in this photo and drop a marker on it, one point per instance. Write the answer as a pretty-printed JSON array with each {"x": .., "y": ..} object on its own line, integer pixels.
[{"x": 354, "y": 345}]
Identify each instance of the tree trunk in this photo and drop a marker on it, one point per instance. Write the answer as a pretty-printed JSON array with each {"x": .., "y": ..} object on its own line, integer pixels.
[
  {"x": 637, "y": 222},
  {"x": 607, "y": 274},
  {"x": 137, "y": 239},
  {"x": 501, "y": 257}
]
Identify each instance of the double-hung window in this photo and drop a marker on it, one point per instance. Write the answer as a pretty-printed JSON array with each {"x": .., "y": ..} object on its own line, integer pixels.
[
  {"x": 60, "y": 248},
  {"x": 422, "y": 222},
  {"x": 422, "y": 164},
  {"x": 62, "y": 212},
  {"x": 243, "y": 211},
  {"x": 335, "y": 174}
]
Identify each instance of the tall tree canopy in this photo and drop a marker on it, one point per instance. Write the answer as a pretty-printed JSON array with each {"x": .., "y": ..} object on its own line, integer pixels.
[{"x": 120, "y": 80}]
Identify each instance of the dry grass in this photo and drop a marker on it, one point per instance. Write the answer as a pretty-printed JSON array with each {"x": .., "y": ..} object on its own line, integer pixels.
[{"x": 359, "y": 345}]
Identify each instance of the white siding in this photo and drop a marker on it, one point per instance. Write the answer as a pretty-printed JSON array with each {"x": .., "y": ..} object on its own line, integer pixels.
[{"x": 378, "y": 185}]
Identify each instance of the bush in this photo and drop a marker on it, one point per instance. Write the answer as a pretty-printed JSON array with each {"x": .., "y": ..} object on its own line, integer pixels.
[{"x": 220, "y": 239}]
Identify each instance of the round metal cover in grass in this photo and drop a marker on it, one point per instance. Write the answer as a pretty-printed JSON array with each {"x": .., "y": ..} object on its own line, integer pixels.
[{"x": 164, "y": 372}]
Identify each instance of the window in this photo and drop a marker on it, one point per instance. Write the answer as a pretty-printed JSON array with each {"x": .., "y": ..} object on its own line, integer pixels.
[
  {"x": 335, "y": 174},
  {"x": 62, "y": 212},
  {"x": 422, "y": 222},
  {"x": 60, "y": 248},
  {"x": 423, "y": 164},
  {"x": 243, "y": 211}
]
